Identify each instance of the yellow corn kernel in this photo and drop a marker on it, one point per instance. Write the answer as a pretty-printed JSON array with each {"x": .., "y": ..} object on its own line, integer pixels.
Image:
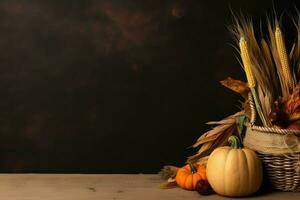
[
  {"x": 246, "y": 62},
  {"x": 283, "y": 57}
]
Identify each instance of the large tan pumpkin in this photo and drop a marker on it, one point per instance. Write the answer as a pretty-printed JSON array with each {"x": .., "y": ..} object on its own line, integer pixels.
[{"x": 234, "y": 171}]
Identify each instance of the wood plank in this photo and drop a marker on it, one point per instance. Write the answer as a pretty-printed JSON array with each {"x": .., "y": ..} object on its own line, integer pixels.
[{"x": 101, "y": 187}]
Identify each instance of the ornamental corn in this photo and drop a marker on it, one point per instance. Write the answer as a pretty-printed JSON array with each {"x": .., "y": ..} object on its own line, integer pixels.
[
  {"x": 246, "y": 62},
  {"x": 283, "y": 57}
]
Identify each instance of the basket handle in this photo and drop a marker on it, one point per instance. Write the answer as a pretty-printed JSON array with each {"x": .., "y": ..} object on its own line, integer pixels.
[
  {"x": 266, "y": 129},
  {"x": 252, "y": 109}
]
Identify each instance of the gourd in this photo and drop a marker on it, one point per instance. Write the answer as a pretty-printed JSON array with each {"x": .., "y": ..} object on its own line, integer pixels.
[
  {"x": 234, "y": 171},
  {"x": 188, "y": 176}
]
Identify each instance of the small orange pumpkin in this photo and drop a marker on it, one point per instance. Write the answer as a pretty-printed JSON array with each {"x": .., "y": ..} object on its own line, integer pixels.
[{"x": 188, "y": 176}]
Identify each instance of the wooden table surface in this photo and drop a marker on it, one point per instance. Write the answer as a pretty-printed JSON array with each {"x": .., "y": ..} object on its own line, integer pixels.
[{"x": 101, "y": 187}]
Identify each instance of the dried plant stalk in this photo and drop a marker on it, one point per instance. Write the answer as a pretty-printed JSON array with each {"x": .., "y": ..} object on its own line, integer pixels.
[
  {"x": 271, "y": 79},
  {"x": 295, "y": 52},
  {"x": 296, "y": 58}
]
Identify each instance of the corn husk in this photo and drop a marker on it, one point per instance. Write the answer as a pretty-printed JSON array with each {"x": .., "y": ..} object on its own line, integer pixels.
[{"x": 216, "y": 137}]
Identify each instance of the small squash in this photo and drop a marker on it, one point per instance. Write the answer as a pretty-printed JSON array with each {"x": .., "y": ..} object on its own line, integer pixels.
[
  {"x": 234, "y": 171},
  {"x": 188, "y": 176}
]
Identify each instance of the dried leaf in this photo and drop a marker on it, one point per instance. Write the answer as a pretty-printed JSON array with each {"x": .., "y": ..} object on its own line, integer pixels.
[
  {"x": 292, "y": 105},
  {"x": 206, "y": 139},
  {"x": 168, "y": 171},
  {"x": 266, "y": 101},
  {"x": 223, "y": 140},
  {"x": 205, "y": 147},
  {"x": 224, "y": 121},
  {"x": 214, "y": 133},
  {"x": 203, "y": 151},
  {"x": 237, "y": 86},
  {"x": 295, "y": 57},
  {"x": 295, "y": 116},
  {"x": 208, "y": 147}
]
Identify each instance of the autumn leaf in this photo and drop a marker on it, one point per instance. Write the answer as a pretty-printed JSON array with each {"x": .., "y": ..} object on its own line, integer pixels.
[
  {"x": 236, "y": 86},
  {"x": 292, "y": 105}
]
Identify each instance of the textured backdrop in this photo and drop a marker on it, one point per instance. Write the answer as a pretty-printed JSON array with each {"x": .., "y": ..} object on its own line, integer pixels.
[{"x": 115, "y": 86}]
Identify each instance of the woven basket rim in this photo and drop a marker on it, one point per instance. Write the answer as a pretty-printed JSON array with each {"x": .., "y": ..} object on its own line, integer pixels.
[{"x": 273, "y": 130}]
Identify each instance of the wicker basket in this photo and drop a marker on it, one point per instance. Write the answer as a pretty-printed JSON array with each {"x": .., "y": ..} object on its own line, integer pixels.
[{"x": 279, "y": 150}]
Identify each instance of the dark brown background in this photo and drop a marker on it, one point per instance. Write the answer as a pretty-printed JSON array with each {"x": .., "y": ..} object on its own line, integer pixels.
[{"x": 115, "y": 86}]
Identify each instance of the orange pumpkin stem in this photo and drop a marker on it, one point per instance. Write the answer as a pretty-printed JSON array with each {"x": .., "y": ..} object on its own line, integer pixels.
[{"x": 192, "y": 167}]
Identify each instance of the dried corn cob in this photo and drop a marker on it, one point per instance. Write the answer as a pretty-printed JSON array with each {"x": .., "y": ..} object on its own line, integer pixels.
[
  {"x": 283, "y": 57},
  {"x": 251, "y": 81},
  {"x": 246, "y": 62}
]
